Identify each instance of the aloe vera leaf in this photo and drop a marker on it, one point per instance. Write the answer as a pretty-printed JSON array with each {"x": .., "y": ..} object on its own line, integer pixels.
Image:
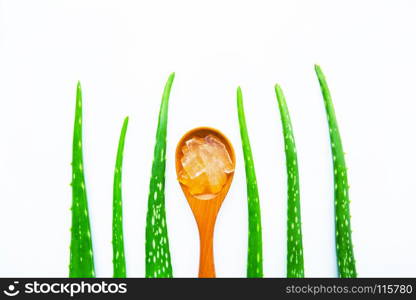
[
  {"x": 119, "y": 260},
  {"x": 81, "y": 251},
  {"x": 255, "y": 248},
  {"x": 344, "y": 247},
  {"x": 158, "y": 263},
  {"x": 294, "y": 265}
]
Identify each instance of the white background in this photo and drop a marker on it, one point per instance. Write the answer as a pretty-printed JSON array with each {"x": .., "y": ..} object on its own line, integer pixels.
[{"x": 123, "y": 52}]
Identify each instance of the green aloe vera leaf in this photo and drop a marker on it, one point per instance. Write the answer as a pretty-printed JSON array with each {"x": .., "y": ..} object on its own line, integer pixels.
[
  {"x": 81, "y": 263},
  {"x": 158, "y": 263},
  {"x": 294, "y": 266},
  {"x": 344, "y": 247},
  {"x": 255, "y": 245},
  {"x": 119, "y": 260}
]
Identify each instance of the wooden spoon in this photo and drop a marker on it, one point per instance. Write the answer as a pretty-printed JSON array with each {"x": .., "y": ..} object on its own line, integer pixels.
[{"x": 205, "y": 211}]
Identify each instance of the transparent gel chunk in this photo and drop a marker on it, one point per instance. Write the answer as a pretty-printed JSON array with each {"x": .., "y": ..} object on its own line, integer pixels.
[{"x": 206, "y": 164}]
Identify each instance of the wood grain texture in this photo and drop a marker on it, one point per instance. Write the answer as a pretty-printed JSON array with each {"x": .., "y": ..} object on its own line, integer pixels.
[{"x": 205, "y": 211}]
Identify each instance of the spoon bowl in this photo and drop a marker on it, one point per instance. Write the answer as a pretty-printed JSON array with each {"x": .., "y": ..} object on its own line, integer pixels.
[{"x": 205, "y": 211}]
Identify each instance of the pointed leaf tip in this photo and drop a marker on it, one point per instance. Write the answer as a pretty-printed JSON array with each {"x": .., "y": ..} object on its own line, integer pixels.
[
  {"x": 239, "y": 97},
  {"x": 239, "y": 92},
  {"x": 277, "y": 87}
]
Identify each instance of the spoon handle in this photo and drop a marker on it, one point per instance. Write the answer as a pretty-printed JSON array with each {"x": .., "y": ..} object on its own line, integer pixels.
[{"x": 206, "y": 252}]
